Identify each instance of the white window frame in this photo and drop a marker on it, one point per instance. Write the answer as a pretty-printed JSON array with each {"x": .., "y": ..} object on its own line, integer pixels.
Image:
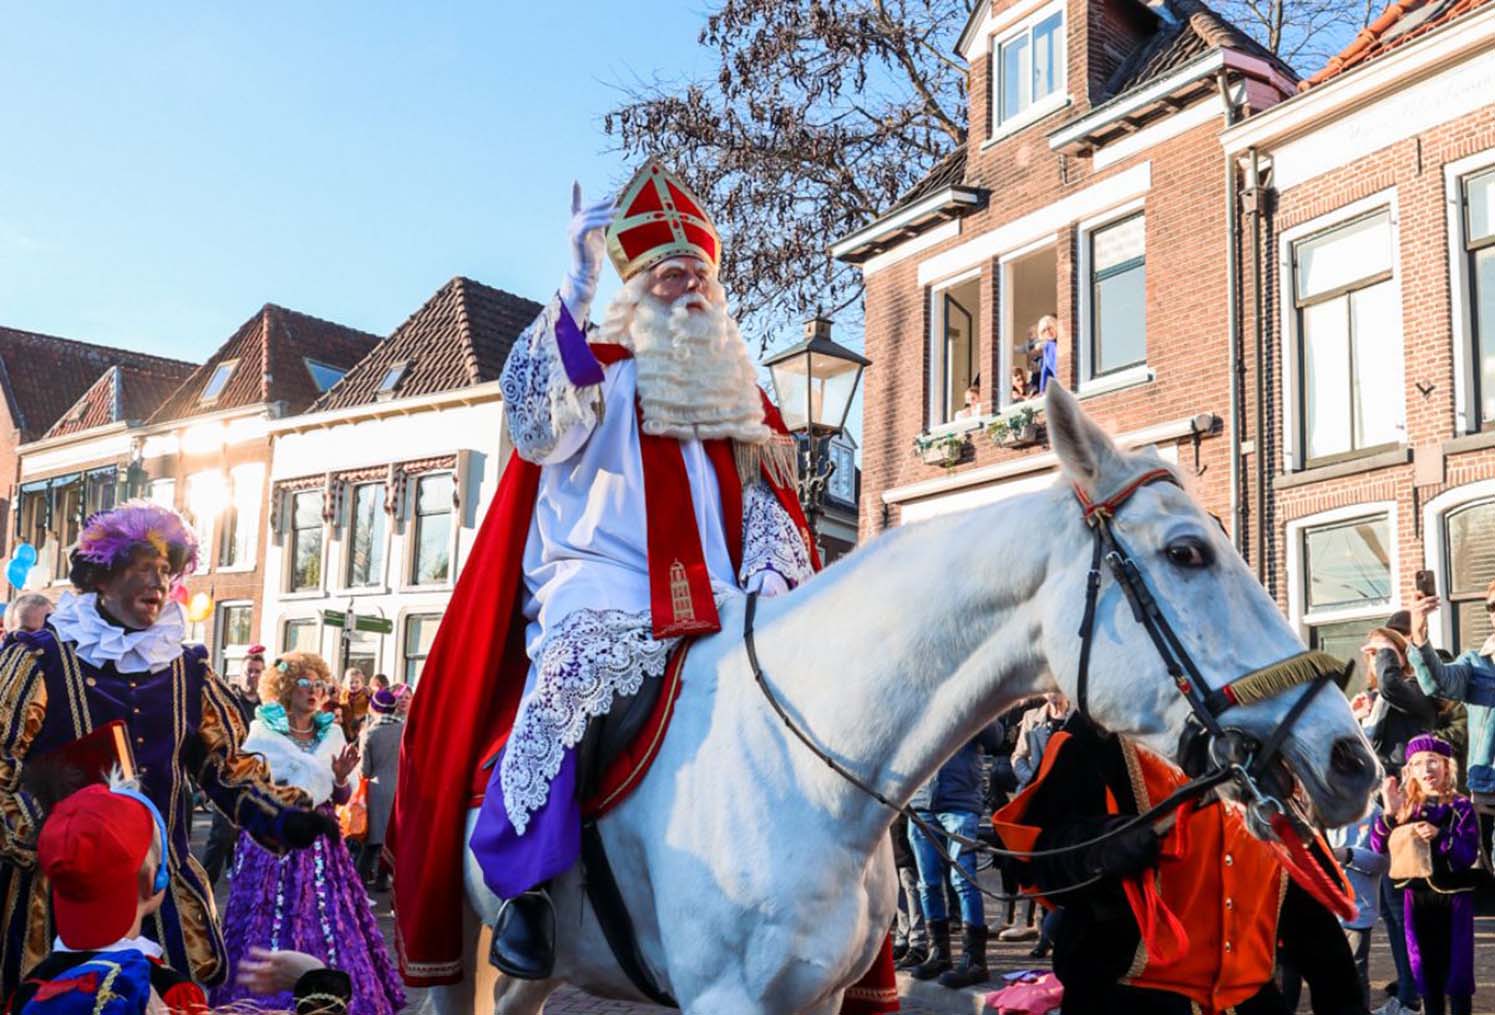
[
  {"x": 936, "y": 340},
  {"x": 1037, "y": 110},
  {"x": 1293, "y": 453},
  {"x": 207, "y": 528},
  {"x": 412, "y": 534},
  {"x": 1140, "y": 373},
  {"x": 1461, "y": 288},
  {"x": 381, "y": 585},
  {"x": 221, "y": 653},
  {"x": 1434, "y": 532},
  {"x": 1297, "y": 567},
  {"x": 235, "y": 477},
  {"x": 231, "y": 366},
  {"x": 289, "y": 581},
  {"x": 437, "y": 610},
  {"x": 1006, "y": 326},
  {"x": 285, "y": 622}
]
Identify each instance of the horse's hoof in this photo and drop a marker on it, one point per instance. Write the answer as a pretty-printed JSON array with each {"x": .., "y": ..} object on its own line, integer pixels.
[{"x": 524, "y": 937}]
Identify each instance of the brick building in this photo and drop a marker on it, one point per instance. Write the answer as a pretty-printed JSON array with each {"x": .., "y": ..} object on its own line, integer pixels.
[
  {"x": 42, "y": 377},
  {"x": 1090, "y": 190},
  {"x": 1369, "y": 203}
]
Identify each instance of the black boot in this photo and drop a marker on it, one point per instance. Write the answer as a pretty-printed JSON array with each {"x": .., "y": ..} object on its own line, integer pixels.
[
  {"x": 914, "y": 956},
  {"x": 899, "y": 951},
  {"x": 972, "y": 967},
  {"x": 938, "y": 960},
  {"x": 524, "y": 937}
]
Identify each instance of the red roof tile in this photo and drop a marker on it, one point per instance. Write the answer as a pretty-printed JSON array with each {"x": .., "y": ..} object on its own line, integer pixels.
[
  {"x": 1398, "y": 24},
  {"x": 269, "y": 354},
  {"x": 460, "y": 337},
  {"x": 42, "y": 375},
  {"x": 122, "y": 393}
]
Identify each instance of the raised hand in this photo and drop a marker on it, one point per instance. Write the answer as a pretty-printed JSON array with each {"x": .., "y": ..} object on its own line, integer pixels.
[
  {"x": 1391, "y": 797},
  {"x": 1421, "y": 606},
  {"x": 344, "y": 763},
  {"x": 588, "y": 235}
]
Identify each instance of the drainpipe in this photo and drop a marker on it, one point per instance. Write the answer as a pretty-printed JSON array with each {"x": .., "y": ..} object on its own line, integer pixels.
[
  {"x": 1233, "y": 317},
  {"x": 1258, "y": 430}
]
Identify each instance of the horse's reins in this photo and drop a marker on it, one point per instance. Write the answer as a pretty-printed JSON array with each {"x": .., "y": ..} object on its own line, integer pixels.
[{"x": 1229, "y": 753}]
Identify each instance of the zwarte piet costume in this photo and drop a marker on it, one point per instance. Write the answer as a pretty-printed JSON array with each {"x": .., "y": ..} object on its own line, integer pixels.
[{"x": 85, "y": 670}]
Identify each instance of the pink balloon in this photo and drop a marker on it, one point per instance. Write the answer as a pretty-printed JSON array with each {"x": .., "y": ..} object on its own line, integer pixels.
[{"x": 179, "y": 594}]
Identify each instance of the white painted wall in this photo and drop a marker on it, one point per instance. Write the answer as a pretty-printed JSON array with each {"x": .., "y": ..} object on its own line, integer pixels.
[{"x": 426, "y": 433}]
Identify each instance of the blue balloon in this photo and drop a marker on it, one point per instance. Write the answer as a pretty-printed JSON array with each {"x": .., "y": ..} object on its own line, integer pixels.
[
  {"x": 27, "y": 553},
  {"x": 16, "y": 573}
]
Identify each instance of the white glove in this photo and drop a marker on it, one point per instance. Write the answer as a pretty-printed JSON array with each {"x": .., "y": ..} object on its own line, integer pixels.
[
  {"x": 588, "y": 249},
  {"x": 767, "y": 584}
]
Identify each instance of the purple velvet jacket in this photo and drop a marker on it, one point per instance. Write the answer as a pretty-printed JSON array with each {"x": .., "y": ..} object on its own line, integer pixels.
[{"x": 1455, "y": 850}]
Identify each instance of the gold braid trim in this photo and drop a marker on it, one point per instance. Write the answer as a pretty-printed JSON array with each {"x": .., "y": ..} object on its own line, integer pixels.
[{"x": 1284, "y": 676}]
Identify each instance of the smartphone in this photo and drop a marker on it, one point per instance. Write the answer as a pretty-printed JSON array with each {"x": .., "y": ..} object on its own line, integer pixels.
[{"x": 1426, "y": 583}]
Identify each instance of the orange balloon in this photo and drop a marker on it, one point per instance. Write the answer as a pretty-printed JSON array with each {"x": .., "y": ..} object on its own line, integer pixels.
[{"x": 200, "y": 607}]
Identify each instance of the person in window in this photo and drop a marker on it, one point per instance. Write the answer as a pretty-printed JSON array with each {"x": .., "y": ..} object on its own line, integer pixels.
[
  {"x": 311, "y": 901},
  {"x": 1019, "y": 384},
  {"x": 1045, "y": 356},
  {"x": 972, "y": 406},
  {"x": 114, "y": 652}
]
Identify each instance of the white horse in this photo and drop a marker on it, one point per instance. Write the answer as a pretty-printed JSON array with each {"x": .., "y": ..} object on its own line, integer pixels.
[{"x": 760, "y": 882}]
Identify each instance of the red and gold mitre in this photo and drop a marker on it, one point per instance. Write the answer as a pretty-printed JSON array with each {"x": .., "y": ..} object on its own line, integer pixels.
[{"x": 659, "y": 218}]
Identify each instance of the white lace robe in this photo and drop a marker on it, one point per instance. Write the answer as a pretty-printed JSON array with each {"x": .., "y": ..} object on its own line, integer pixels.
[{"x": 586, "y": 561}]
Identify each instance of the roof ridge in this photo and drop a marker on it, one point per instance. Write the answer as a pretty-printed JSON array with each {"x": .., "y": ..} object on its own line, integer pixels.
[
  {"x": 26, "y": 333},
  {"x": 464, "y": 328}
]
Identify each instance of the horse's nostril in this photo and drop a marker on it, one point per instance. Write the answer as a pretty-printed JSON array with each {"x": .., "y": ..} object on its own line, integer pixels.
[{"x": 1349, "y": 758}]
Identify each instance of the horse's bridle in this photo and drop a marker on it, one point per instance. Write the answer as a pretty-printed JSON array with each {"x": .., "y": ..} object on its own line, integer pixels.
[
  {"x": 1205, "y": 744},
  {"x": 1211, "y": 754}
]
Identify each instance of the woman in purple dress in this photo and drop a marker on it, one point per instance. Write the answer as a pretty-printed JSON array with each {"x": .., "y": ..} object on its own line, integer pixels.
[
  {"x": 1439, "y": 907},
  {"x": 312, "y": 900}
]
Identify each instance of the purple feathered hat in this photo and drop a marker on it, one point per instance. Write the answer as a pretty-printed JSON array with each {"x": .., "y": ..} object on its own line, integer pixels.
[
  {"x": 111, "y": 536},
  {"x": 1428, "y": 742}
]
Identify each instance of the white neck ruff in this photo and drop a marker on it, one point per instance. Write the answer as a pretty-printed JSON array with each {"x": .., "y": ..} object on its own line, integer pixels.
[{"x": 77, "y": 620}]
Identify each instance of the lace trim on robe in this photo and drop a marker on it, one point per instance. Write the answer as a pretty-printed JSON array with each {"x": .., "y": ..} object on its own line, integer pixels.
[
  {"x": 770, "y": 539},
  {"x": 592, "y": 657},
  {"x": 541, "y": 402}
]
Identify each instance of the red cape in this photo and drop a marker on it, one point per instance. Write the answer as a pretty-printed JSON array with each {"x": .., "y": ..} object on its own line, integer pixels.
[{"x": 468, "y": 695}]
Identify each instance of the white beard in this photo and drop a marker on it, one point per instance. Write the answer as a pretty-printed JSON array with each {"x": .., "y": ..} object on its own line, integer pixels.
[{"x": 694, "y": 376}]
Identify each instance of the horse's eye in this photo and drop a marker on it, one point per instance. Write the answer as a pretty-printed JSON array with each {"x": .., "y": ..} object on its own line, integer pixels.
[{"x": 1188, "y": 552}]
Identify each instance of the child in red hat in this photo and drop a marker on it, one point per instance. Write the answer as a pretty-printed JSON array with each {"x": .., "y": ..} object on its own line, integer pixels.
[{"x": 101, "y": 850}]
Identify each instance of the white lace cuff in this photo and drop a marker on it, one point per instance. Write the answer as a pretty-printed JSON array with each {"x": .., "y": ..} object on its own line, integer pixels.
[
  {"x": 770, "y": 539},
  {"x": 591, "y": 658},
  {"x": 542, "y": 405}
]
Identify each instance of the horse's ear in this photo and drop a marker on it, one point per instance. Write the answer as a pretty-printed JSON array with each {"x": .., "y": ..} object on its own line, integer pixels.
[{"x": 1086, "y": 453}]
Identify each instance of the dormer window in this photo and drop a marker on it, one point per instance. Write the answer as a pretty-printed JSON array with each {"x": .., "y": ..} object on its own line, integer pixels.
[
  {"x": 323, "y": 375},
  {"x": 392, "y": 378},
  {"x": 216, "y": 383},
  {"x": 1027, "y": 70}
]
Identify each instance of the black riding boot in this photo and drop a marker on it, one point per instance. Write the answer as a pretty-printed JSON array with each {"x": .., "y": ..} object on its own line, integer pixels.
[
  {"x": 912, "y": 957},
  {"x": 524, "y": 936},
  {"x": 938, "y": 960},
  {"x": 972, "y": 967}
]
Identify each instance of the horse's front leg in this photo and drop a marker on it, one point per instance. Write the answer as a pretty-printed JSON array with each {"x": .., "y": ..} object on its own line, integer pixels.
[{"x": 521, "y": 997}]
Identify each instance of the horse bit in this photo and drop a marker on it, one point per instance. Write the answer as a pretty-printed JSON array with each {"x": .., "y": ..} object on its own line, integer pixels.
[{"x": 1209, "y": 753}]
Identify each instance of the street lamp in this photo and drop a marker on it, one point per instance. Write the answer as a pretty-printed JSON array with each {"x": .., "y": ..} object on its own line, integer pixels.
[{"x": 814, "y": 382}]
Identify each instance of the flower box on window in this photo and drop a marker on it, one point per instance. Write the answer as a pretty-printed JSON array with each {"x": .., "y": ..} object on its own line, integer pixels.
[
  {"x": 1018, "y": 429},
  {"x": 945, "y": 450}
]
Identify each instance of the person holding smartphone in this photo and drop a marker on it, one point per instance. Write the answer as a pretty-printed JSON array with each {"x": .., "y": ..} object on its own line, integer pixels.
[{"x": 1471, "y": 680}]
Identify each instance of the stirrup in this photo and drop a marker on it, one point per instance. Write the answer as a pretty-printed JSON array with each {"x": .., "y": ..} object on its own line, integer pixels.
[{"x": 524, "y": 936}]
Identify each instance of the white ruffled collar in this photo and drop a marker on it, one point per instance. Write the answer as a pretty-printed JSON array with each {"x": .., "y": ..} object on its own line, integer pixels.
[{"x": 77, "y": 620}]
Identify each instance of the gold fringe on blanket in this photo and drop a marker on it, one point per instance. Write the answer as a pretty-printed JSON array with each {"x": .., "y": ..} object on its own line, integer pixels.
[{"x": 1285, "y": 675}]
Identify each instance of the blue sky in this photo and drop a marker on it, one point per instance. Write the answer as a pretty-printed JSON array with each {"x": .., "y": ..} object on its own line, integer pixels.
[{"x": 164, "y": 172}]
